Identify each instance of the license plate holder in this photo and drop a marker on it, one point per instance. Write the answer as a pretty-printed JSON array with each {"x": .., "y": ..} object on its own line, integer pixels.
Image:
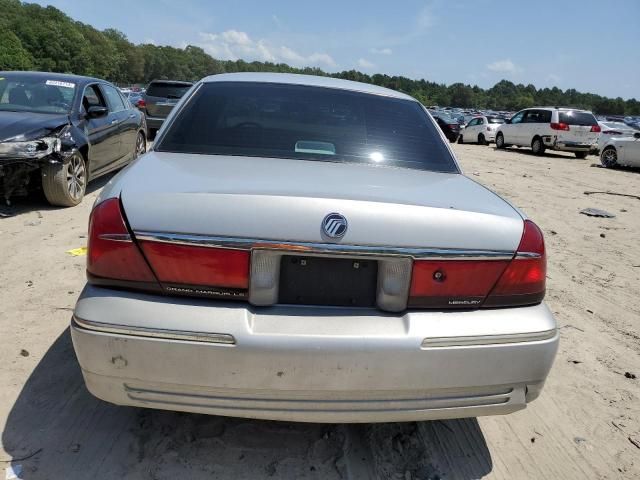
[{"x": 311, "y": 280}]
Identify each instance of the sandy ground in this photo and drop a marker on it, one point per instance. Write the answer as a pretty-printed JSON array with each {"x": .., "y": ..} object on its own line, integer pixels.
[{"x": 586, "y": 424}]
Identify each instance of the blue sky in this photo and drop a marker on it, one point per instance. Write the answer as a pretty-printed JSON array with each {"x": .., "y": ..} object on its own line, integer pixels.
[{"x": 592, "y": 46}]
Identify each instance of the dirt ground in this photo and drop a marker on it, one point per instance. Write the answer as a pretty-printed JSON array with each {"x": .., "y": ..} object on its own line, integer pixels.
[{"x": 586, "y": 424}]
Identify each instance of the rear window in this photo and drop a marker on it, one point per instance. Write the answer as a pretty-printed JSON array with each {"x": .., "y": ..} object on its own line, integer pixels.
[
  {"x": 573, "y": 117},
  {"x": 495, "y": 120},
  {"x": 307, "y": 123},
  {"x": 167, "y": 90}
]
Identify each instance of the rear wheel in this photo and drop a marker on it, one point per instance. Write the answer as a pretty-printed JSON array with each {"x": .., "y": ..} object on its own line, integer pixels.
[
  {"x": 500, "y": 141},
  {"x": 460, "y": 140},
  {"x": 537, "y": 147},
  {"x": 481, "y": 140},
  {"x": 609, "y": 157},
  {"x": 581, "y": 154},
  {"x": 64, "y": 185},
  {"x": 141, "y": 145}
]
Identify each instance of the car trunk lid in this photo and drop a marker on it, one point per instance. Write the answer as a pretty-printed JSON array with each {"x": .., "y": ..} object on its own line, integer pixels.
[{"x": 280, "y": 199}]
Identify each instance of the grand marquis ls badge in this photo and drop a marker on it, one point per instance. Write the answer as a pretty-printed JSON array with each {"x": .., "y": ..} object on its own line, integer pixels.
[{"x": 334, "y": 225}]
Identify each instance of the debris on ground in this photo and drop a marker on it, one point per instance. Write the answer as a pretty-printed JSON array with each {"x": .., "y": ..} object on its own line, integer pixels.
[
  {"x": 13, "y": 472},
  {"x": 77, "y": 252},
  {"x": 630, "y": 375},
  {"x": 24, "y": 353},
  {"x": 608, "y": 192},
  {"x": 635, "y": 442},
  {"x": 596, "y": 212},
  {"x": 602, "y": 235}
]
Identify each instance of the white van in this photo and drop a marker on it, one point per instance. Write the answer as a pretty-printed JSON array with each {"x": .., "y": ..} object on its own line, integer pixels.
[{"x": 554, "y": 128}]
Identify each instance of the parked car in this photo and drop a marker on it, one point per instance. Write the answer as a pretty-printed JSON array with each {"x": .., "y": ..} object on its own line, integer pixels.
[
  {"x": 449, "y": 125},
  {"x": 541, "y": 128},
  {"x": 61, "y": 131},
  {"x": 621, "y": 150},
  {"x": 159, "y": 99},
  {"x": 306, "y": 248},
  {"x": 611, "y": 129},
  {"x": 481, "y": 130}
]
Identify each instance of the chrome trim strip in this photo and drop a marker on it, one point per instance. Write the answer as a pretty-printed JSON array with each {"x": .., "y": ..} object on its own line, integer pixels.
[
  {"x": 116, "y": 237},
  {"x": 158, "y": 333},
  {"x": 327, "y": 248},
  {"x": 464, "y": 341},
  {"x": 528, "y": 255}
]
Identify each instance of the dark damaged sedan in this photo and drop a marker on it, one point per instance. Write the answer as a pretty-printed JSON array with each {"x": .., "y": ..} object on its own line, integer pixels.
[{"x": 61, "y": 131}]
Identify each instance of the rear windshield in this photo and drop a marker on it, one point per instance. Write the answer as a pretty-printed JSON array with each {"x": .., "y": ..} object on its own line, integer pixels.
[
  {"x": 307, "y": 123},
  {"x": 573, "y": 117},
  {"x": 495, "y": 120},
  {"x": 167, "y": 90}
]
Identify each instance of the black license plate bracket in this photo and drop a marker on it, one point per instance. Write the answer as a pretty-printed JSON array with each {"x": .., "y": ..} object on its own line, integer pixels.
[{"x": 310, "y": 280}]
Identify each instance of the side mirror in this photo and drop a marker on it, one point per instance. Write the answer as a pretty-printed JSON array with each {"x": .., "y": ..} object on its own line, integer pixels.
[
  {"x": 636, "y": 135},
  {"x": 96, "y": 112}
]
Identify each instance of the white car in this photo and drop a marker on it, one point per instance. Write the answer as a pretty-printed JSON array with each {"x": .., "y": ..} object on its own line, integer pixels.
[
  {"x": 621, "y": 151},
  {"x": 481, "y": 130},
  {"x": 613, "y": 129},
  {"x": 554, "y": 128}
]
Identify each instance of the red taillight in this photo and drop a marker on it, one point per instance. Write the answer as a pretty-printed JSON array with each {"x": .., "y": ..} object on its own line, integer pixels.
[
  {"x": 198, "y": 266},
  {"x": 524, "y": 280},
  {"x": 596, "y": 128},
  {"x": 486, "y": 283},
  {"x": 560, "y": 126},
  {"x": 141, "y": 103},
  {"x": 453, "y": 283},
  {"x": 112, "y": 253}
]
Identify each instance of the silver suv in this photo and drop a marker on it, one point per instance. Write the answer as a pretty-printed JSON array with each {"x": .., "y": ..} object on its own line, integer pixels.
[
  {"x": 159, "y": 99},
  {"x": 554, "y": 128}
]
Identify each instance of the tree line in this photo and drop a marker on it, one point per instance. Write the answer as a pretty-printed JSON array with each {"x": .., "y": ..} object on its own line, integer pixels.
[{"x": 44, "y": 38}]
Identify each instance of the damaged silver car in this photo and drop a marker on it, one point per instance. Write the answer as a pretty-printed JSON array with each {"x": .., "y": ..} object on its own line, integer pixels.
[{"x": 58, "y": 131}]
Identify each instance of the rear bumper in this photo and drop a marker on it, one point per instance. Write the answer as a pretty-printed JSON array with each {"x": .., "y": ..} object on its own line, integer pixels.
[
  {"x": 310, "y": 364},
  {"x": 566, "y": 146},
  {"x": 154, "y": 122}
]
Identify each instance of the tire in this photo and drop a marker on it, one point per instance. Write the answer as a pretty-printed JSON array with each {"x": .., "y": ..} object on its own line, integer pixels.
[
  {"x": 140, "y": 146},
  {"x": 460, "y": 140},
  {"x": 580, "y": 155},
  {"x": 500, "y": 141},
  {"x": 482, "y": 140},
  {"x": 64, "y": 185},
  {"x": 537, "y": 146},
  {"x": 609, "y": 157}
]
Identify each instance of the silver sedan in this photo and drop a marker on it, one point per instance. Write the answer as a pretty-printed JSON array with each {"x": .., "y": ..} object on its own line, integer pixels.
[{"x": 305, "y": 248}]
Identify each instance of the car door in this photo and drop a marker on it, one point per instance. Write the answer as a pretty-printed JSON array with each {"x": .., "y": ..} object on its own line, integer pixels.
[
  {"x": 531, "y": 126},
  {"x": 104, "y": 141},
  {"x": 511, "y": 130},
  {"x": 119, "y": 116},
  {"x": 631, "y": 155},
  {"x": 470, "y": 131}
]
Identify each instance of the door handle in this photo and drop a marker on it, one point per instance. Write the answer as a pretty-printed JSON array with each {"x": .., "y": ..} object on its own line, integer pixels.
[
  {"x": 114, "y": 121},
  {"x": 132, "y": 115}
]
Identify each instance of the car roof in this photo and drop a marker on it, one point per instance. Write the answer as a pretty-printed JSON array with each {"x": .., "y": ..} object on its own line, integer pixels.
[
  {"x": 171, "y": 82},
  {"x": 558, "y": 108},
  {"x": 54, "y": 76},
  {"x": 307, "y": 80}
]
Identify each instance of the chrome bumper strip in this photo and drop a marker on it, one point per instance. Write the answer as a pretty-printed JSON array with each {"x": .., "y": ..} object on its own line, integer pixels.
[
  {"x": 465, "y": 341},
  {"x": 323, "y": 248},
  {"x": 158, "y": 333}
]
